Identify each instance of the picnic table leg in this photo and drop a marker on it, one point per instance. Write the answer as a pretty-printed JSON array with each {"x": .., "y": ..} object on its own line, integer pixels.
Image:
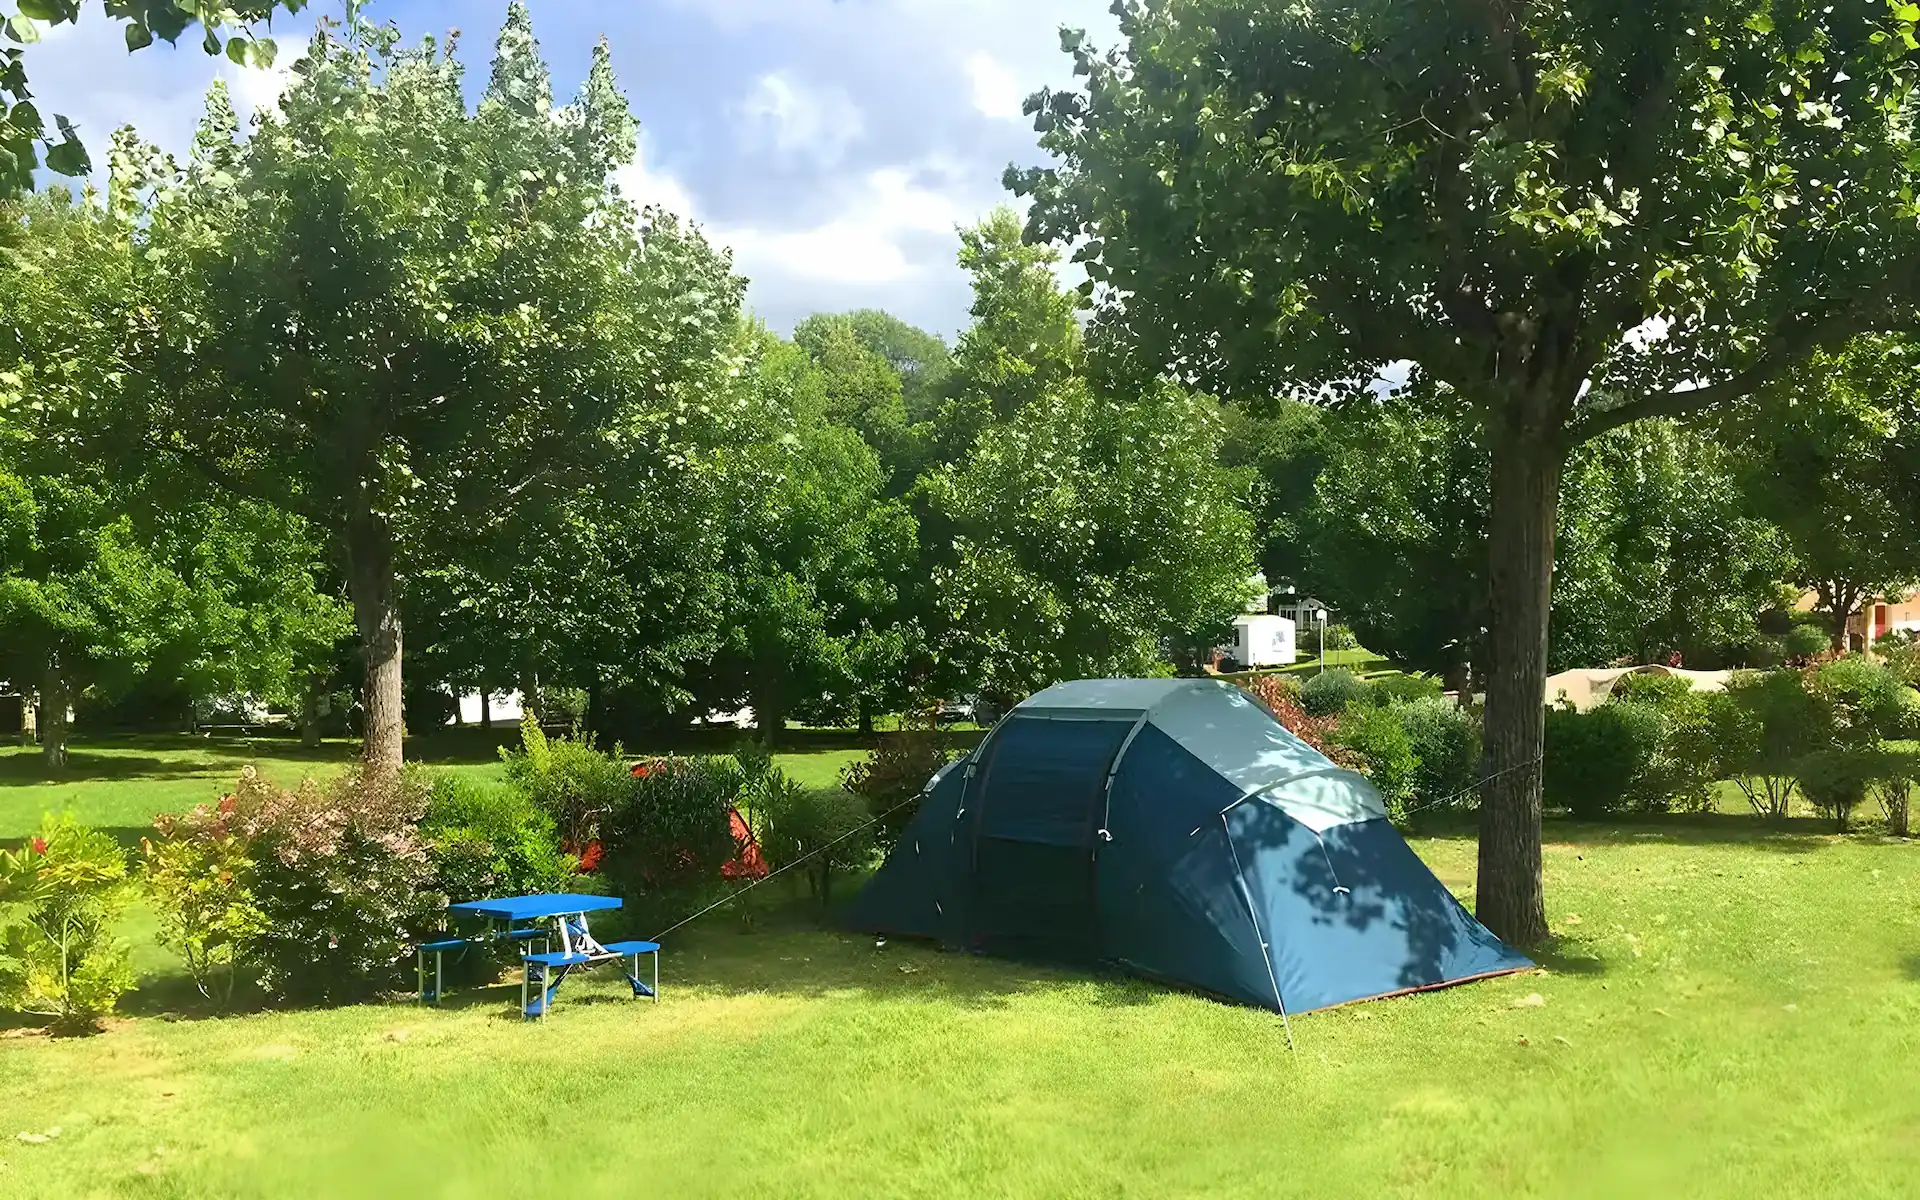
[
  {"x": 656, "y": 974},
  {"x": 420, "y": 972},
  {"x": 439, "y": 976}
]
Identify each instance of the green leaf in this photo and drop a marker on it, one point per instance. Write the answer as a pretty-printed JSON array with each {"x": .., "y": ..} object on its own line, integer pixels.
[
  {"x": 1760, "y": 23},
  {"x": 26, "y": 118},
  {"x": 261, "y": 52},
  {"x": 139, "y": 37},
  {"x": 69, "y": 158},
  {"x": 44, "y": 10},
  {"x": 20, "y": 29},
  {"x": 1907, "y": 12},
  {"x": 237, "y": 52},
  {"x": 211, "y": 43}
]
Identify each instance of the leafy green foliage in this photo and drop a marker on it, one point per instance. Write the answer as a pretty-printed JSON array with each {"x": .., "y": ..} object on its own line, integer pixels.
[
  {"x": 899, "y": 767},
  {"x": 1386, "y": 754},
  {"x": 533, "y": 324},
  {"x": 1445, "y": 740},
  {"x": 1896, "y": 771},
  {"x": 199, "y": 876},
  {"x": 1766, "y": 722},
  {"x": 490, "y": 840},
  {"x": 1087, "y": 531},
  {"x": 1865, "y": 701},
  {"x": 22, "y": 131},
  {"x": 61, "y": 896},
  {"x": 1333, "y": 692},
  {"x": 1836, "y": 781},
  {"x": 828, "y": 829},
  {"x": 1603, "y": 761},
  {"x": 1402, "y": 688},
  {"x": 671, "y": 833},
  {"x": 1818, "y": 454},
  {"x": 570, "y": 779}
]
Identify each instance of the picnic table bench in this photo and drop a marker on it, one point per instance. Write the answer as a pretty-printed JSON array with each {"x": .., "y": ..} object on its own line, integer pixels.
[{"x": 548, "y": 919}]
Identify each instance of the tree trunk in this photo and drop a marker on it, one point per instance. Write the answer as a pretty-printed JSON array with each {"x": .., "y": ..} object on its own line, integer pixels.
[
  {"x": 54, "y": 730},
  {"x": 1459, "y": 681},
  {"x": 29, "y": 719},
  {"x": 486, "y": 708},
  {"x": 530, "y": 691},
  {"x": 310, "y": 713},
  {"x": 769, "y": 715},
  {"x": 376, "y": 611},
  {"x": 1525, "y": 503},
  {"x": 866, "y": 719}
]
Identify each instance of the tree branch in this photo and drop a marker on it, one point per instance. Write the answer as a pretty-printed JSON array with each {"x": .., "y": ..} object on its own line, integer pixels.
[
  {"x": 238, "y": 485},
  {"x": 1790, "y": 351}
]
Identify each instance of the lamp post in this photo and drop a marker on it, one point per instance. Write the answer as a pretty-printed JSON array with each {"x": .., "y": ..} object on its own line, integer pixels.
[{"x": 1320, "y": 619}]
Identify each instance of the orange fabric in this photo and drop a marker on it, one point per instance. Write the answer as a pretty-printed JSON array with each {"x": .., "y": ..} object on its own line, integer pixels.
[{"x": 748, "y": 863}]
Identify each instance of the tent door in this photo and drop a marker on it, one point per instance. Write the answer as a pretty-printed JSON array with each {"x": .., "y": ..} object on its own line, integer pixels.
[{"x": 1037, "y": 811}]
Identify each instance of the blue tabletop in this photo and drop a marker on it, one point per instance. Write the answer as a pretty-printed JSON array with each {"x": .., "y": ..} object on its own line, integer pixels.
[{"x": 533, "y": 908}]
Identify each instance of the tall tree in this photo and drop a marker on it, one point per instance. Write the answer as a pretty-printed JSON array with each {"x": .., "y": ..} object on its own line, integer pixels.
[
  {"x": 1092, "y": 536},
  {"x": 386, "y": 313},
  {"x": 921, "y": 359},
  {"x": 1575, "y": 214},
  {"x": 1819, "y": 455}
]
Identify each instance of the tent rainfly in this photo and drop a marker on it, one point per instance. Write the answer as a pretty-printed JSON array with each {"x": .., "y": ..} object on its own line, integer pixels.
[{"x": 1174, "y": 828}]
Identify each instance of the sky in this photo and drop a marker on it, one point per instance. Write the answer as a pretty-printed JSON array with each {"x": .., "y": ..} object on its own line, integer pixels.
[{"x": 833, "y": 145}]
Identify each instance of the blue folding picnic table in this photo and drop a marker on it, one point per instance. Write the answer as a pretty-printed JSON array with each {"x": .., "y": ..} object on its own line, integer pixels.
[{"x": 555, "y": 918}]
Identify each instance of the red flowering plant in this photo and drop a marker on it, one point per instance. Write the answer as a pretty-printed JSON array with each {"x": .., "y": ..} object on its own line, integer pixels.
[
  {"x": 62, "y": 895},
  {"x": 315, "y": 892},
  {"x": 1282, "y": 698}
]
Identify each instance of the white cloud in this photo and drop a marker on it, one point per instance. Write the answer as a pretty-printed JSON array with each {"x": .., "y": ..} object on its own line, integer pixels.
[
  {"x": 788, "y": 117},
  {"x": 996, "y": 93},
  {"x": 642, "y": 183},
  {"x": 257, "y": 89},
  {"x": 865, "y": 244}
]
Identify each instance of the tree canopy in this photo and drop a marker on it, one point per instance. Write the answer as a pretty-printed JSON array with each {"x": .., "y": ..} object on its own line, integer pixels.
[
  {"x": 393, "y": 316},
  {"x": 1575, "y": 215}
]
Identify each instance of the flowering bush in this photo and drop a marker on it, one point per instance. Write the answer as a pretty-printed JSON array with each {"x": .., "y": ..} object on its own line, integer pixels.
[
  {"x": 325, "y": 885},
  {"x": 200, "y": 876},
  {"x": 60, "y": 897},
  {"x": 1282, "y": 698}
]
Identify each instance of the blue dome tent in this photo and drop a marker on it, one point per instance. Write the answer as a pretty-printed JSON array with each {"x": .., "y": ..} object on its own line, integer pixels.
[{"x": 1174, "y": 828}]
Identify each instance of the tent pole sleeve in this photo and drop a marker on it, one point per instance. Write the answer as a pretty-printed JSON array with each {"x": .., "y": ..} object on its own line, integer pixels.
[
  {"x": 1113, "y": 772},
  {"x": 1246, "y": 897}
]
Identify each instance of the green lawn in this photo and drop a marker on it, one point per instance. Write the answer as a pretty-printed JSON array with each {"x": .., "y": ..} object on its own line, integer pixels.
[{"x": 1728, "y": 1012}]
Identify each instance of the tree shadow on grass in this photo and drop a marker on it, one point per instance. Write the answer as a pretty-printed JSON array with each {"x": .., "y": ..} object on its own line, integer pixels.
[
  {"x": 1796, "y": 835},
  {"x": 1910, "y": 966}
]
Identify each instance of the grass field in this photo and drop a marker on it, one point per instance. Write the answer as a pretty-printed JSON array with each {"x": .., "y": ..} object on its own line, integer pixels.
[{"x": 1727, "y": 1011}]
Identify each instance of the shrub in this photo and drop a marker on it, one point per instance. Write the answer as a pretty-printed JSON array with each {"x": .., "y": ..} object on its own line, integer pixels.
[
  {"x": 834, "y": 826},
  {"x": 200, "y": 879},
  {"x": 1377, "y": 736},
  {"x": 1445, "y": 740},
  {"x": 1900, "y": 650},
  {"x": 488, "y": 840},
  {"x": 1896, "y": 770},
  {"x": 1804, "y": 643},
  {"x": 893, "y": 776},
  {"x": 62, "y": 895},
  {"x": 1402, "y": 689},
  {"x": 1835, "y": 781},
  {"x": 671, "y": 832},
  {"x": 341, "y": 876},
  {"x": 1281, "y": 697},
  {"x": 1340, "y": 637},
  {"x": 1689, "y": 760},
  {"x": 1768, "y": 721},
  {"x": 1864, "y": 700},
  {"x": 570, "y": 779},
  {"x": 1664, "y": 692},
  {"x": 1602, "y": 761},
  {"x": 428, "y": 708},
  {"x": 1331, "y": 693}
]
